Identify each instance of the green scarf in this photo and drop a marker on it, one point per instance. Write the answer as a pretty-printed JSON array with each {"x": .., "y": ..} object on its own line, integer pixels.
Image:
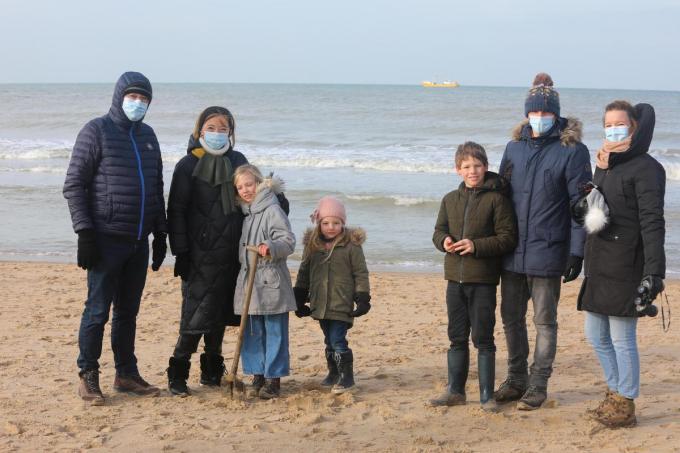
[{"x": 217, "y": 171}]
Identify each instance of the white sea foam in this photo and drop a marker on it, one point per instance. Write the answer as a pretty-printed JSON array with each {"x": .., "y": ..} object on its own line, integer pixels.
[{"x": 397, "y": 200}]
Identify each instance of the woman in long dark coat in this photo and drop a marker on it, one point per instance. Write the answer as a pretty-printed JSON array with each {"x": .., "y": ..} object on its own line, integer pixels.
[
  {"x": 204, "y": 226},
  {"x": 628, "y": 253}
]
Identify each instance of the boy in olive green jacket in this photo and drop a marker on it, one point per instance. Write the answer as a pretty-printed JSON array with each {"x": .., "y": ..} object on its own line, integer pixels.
[
  {"x": 476, "y": 226},
  {"x": 332, "y": 277}
]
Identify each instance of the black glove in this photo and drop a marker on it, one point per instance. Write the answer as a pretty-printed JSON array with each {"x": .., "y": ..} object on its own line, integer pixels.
[
  {"x": 160, "y": 249},
  {"x": 301, "y": 295},
  {"x": 88, "y": 254},
  {"x": 363, "y": 301},
  {"x": 182, "y": 266},
  {"x": 573, "y": 269},
  {"x": 655, "y": 285}
]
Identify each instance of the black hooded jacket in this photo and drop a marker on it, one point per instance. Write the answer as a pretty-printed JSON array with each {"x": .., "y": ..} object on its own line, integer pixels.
[
  {"x": 114, "y": 182},
  {"x": 632, "y": 245}
]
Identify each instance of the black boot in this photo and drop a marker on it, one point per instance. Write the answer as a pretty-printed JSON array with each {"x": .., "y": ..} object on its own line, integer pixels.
[
  {"x": 458, "y": 364},
  {"x": 345, "y": 361},
  {"x": 212, "y": 369},
  {"x": 178, "y": 373},
  {"x": 486, "y": 367},
  {"x": 333, "y": 374}
]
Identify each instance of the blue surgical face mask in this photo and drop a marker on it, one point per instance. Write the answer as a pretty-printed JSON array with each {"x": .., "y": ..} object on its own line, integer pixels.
[
  {"x": 216, "y": 140},
  {"x": 615, "y": 133},
  {"x": 541, "y": 124},
  {"x": 134, "y": 109}
]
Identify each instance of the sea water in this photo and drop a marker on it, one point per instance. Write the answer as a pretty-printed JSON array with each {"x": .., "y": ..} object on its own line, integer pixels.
[{"x": 385, "y": 151}]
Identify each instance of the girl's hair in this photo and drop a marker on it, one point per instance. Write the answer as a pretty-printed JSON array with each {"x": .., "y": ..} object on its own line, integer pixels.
[
  {"x": 623, "y": 106},
  {"x": 248, "y": 170},
  {"x": 211, "y": 112},
  {"x": 470, "y": 150},
  {"x": 316, "y": 243}
]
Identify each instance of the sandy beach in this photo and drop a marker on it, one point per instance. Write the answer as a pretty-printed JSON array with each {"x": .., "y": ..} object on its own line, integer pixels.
[{"x": 399, "y": 363}]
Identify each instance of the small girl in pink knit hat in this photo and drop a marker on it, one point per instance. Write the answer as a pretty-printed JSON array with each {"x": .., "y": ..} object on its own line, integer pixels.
[{"x": 333, "y": 277}]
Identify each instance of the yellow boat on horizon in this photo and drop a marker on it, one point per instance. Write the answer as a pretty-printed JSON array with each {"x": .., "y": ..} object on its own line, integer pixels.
[{"x": 444, "y": 84}]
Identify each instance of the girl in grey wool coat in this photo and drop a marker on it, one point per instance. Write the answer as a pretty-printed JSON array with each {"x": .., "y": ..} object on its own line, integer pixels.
[{"x": 265, "y": 344}]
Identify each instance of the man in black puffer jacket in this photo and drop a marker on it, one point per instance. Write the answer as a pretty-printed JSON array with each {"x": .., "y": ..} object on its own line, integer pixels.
[{"x": 114, "y": 188}]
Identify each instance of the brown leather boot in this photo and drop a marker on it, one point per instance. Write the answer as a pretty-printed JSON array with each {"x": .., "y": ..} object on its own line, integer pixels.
[
  {"x": 619, "y": 414},
  {"x": 602, "y": 407},
  {"x": 136, "y": 385},
  {"x": 88, "y": 389},
  {"x": 271, "y": 389}
]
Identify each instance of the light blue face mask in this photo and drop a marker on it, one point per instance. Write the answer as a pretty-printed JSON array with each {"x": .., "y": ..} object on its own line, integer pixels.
[
  {"x": 541, "y": 124},
  {"x": 134, "y": 110},
  {"x": 216, "y": 140},
  {"x": 615, "y": 133}
]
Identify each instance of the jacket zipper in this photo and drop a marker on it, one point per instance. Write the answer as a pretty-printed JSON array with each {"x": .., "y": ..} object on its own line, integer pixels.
[
  {"x": 462, "y": 233},
  {"x": 141, "y": 181}
]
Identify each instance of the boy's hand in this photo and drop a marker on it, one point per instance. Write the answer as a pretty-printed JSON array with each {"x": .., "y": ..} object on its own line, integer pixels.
[
  {"x": 448, "y": 244},
  {"x": 263, "y": 250},
  {"x": 464, "y": 247}
]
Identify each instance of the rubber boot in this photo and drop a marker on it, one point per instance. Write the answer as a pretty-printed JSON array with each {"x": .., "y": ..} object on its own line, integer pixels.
[
  {"x": 212, "y": 369},
  {"x": 178, "y": 373},
  {"x": 486, "y": 368},
  {"x": 345, "y": 361},
  {"x": 458, "y": 365},
  {"x": 333, "y": 374}
]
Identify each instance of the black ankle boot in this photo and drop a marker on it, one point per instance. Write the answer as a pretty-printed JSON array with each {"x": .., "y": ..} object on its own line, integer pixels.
[
  {"x": 345, "y": 361},
  {"x": 178, "y": 373},
  {"x": 486, "y": 367},
  {"x": 333, "y": 374},
  {"x": 212, "y": 369}
]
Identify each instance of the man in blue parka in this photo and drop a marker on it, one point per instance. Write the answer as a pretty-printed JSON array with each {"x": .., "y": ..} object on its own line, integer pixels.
[
  {"x": 114, "y": 188},
  {"x": 546, "y": 164}
]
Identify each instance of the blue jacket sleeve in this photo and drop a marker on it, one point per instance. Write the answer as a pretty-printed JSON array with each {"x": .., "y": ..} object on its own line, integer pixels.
[
  {"x": 578, "y": 173},
  {"x": 81, "y": 170}
]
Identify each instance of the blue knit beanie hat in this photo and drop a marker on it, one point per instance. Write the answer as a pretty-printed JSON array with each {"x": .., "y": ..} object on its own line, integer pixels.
[{"x": 542, "y": 97}]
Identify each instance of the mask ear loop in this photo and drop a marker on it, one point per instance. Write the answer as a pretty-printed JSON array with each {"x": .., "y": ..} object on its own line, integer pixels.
[{"x": 666, "y": 327}]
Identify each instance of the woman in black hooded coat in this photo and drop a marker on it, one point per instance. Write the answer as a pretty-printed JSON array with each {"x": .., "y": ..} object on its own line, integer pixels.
[
  {"x": 627, "y": 253},
  {"x": 204, "y": 226}
]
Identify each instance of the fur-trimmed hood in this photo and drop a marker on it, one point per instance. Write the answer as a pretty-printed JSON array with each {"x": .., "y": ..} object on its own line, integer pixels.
[
  {"x": 355, "y": 235},
  {"x": 265, "y": 195},
  {"x": 570, "y": 131}
]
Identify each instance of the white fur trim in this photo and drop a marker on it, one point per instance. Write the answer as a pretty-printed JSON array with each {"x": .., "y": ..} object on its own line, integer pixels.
[{"x": 595, "y": 220}]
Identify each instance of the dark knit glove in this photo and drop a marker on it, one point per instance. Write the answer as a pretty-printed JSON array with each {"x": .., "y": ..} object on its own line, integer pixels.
[
  {"x": 182, "y": 266},
  {"x": 654, "y": 285},
  {"x": 160, "y": 249},
  {"x": 573, "y": 269},
  {"x": 301, "y": 296},
  {"x": 88, "y": 254},
  {"x": 363, "y": 301}
]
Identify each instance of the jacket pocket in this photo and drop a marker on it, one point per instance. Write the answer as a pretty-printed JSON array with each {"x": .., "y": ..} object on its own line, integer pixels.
[
  {"x": 614, "y": 250},
  {"x": 549, "y": 184},
  {"x": 629, "y": 195},
  {"x": 552, "y": 235},
  {"x": 268, "y": 276}
]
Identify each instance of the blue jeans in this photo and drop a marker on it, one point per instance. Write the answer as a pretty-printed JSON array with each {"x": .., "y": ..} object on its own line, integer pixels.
[
  {"x": 614, "y": 340},
  {"x": 335, "y": 335},
  {"x": 516, "y": 289},
  {"x": 265, "y": 346},
  {"x": 118, "y": 277}
]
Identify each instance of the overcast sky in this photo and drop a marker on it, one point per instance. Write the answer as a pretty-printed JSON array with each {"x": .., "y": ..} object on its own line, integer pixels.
[{"x": 581, "y": 43}]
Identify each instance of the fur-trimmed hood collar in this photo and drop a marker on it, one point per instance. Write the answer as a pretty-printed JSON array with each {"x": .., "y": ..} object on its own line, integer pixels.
[
  {"x": 569, "y": 130},
  {"x": 355, "y": 235},
  {"x": 265, "y": 195}
]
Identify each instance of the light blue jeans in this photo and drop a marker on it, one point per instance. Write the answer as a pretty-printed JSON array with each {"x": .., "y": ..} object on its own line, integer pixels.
[
  {"x": 265, "y": 346},
  {"x": 615, "y": 342}
]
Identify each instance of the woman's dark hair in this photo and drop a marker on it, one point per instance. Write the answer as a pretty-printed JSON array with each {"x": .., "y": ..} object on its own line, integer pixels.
[
  {"x": 623, "y": 106},
  {"x": 216, "y": 111}
]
